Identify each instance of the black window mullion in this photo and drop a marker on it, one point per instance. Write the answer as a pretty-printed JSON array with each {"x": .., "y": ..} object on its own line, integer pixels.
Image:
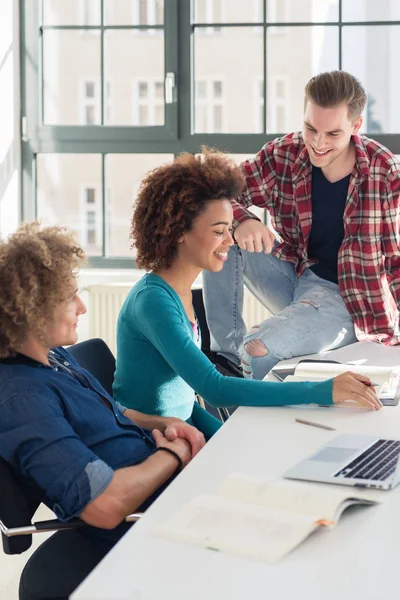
[
  {"x": 102, "y": 78},
  {"x": 265, "y": 68},
  {"x": 103, "y": 206},
  {"x": 340, "y": 35}
]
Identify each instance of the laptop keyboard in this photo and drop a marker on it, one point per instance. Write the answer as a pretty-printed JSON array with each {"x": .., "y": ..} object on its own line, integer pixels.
[{"x": 377, "y": 463}]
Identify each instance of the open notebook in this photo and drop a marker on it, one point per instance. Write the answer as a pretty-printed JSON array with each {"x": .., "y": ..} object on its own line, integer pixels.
[
  {"x": 260, "y": 518},
  {"x": 387, "y": 378}
]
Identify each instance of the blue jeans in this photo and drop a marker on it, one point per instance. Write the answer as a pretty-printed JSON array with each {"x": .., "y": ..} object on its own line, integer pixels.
[{"x": 309, "y": 314}]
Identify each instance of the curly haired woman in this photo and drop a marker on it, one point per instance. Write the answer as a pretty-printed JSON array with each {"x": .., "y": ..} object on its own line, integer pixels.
[
  {"x": 182, "y": 225},
  {"x": 62, "y": 434}
]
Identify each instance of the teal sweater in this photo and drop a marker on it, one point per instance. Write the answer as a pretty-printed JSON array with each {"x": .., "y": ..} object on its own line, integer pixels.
[{"x": 159, "y": 364}]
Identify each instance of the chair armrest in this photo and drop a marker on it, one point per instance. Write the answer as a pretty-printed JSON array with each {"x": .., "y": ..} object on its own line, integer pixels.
[{"x": 53, "y": 525}]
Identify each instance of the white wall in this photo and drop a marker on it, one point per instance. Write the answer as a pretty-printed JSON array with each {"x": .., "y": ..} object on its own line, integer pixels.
[{"x": 9, "y": 117}]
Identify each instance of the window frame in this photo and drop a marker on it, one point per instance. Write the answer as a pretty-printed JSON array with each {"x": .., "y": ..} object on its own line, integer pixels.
[{"x": 178, "y": 133}]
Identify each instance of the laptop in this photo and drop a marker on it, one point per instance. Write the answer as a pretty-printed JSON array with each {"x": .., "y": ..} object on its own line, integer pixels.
[{"x": 351, "y": 459}]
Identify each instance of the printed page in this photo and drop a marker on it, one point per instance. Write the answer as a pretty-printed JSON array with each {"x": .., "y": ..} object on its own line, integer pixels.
[
  {"x": 320, "y": 370},
  {"x": 322, "y": 502},
  {"x": 226, "y": 525}
]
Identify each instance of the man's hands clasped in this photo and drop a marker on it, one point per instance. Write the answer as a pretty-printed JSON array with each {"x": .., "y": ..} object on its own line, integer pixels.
[{"x": 180, "y": 437}]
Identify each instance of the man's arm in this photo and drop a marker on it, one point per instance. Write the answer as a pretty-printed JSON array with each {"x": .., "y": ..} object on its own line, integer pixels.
[
  {"x": 170, "y": 426},
  {"x": 131, "y": 486}
]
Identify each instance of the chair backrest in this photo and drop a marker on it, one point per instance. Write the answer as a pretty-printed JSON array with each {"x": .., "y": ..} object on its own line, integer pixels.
[
  {"x": 18, "y": 504},
  {"x": 198, "y": 305},
  {"x": 96, "y": 357}
]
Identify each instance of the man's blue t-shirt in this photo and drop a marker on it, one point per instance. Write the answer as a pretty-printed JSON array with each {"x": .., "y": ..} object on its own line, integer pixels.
[{"x": 328, "y": 202}]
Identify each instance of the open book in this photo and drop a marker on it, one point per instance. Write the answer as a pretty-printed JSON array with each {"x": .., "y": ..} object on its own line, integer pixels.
[
  {"x": 260, "y": 518},
  {"x": 387, "y": 378}
]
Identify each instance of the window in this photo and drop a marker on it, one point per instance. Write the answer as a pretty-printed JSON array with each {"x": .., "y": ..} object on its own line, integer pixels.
[
  {"x": 96, "y": 114},
  {"x": 90, "y": 234},
  {"x": 148, "y": 12},
  {"x": 209, "y": 112},
  {"x": 277, "y": 11},
  {"x": 148, "y": 102},
  {"x": 90, "y": 103},
  {"x": 89, "y": 12},
  {"x": 208, "y": 11},
  {"x": 277, "y": 107}
]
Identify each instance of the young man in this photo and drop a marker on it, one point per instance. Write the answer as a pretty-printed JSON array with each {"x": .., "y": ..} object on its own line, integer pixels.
[{"x": 333, "y": 276}]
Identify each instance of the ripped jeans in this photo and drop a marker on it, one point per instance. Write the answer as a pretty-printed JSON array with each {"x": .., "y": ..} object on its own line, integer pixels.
[{"x": 309, "y": 314}]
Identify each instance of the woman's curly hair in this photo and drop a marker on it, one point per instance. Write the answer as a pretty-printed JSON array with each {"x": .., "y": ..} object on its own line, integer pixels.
[
  {"x": 35, "y": 270},
  {"x": 171, "y": 197}
]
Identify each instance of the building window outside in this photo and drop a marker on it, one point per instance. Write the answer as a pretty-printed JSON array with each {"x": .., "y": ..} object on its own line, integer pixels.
[
  {"x": 277, "y": 104},
  {"x": 209, "y": 11},
  {"x": 147, "y": 12},
  {"x": 209, "y": 106},
  {"x": 148, "y": 102},
  {"x": 277, "y": 13},
  {"x": 90, "y": 230},
  {"x": 90, "y": 102}
]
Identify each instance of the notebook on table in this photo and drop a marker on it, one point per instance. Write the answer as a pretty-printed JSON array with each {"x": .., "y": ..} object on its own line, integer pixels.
[
  {"x": 387, "y": 378},
  {"x": 260, "y": 518}
]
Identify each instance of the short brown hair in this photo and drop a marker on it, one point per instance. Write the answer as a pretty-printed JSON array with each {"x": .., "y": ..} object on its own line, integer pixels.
[
  {"x": 334, "y": 88},
  {"x": 171, "y": 197},
  {"x": 36, "y": 265}
]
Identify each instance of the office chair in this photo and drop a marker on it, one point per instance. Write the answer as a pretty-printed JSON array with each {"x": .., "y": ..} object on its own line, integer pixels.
[
  {"x": 197, "y": 295},
  {"x": 96, "y": 357},
  {"x": 62, "y": 561}
]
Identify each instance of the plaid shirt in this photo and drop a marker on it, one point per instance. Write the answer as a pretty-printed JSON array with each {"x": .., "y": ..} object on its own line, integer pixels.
[{"x": 278, "y": 178}]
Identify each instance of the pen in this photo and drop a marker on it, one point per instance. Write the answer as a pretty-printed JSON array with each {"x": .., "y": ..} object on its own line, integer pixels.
[
  {"x": 371, "y": 383},
  {"x": 313, "y": 424}
]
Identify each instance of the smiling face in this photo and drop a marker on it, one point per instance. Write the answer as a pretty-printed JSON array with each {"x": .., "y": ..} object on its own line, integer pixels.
[
  {"x": 207, "y": 244},
  {"x": 327, "y": 133},
  {"x": 62, "y": 331}
]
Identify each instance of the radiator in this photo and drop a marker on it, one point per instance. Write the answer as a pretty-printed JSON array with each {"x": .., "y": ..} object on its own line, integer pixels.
[{"x": 105, "y": 301}]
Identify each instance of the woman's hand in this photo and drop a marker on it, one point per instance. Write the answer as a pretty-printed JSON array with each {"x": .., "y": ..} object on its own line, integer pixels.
[{"x": 351, "y": 386}]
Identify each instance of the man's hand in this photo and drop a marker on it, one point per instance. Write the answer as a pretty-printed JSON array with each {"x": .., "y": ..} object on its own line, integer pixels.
[
  {"x": 253, "y": 236},
  {"x": 179, "y": 429},
  {"x": 179, "y": 445}
]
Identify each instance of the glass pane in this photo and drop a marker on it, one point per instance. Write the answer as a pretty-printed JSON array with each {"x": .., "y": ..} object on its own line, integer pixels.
[
  {"x": 316, "y": 49},
  {"x": 71, "y": 72},
  {"x": 231, "y": 11},
  {"x": 134, "y": 64},
  {"x": 72, "y": 12},
  {"x": 370, "y": 10},
  {"x": 69, "y": 192},
  {"x": 377, "y": 71},
  {"x": 298, "y": 11},
  {"x": 134, "y": 12},
  {"x": 229, "y": 85},
  {"x": 124, "y": 173}
]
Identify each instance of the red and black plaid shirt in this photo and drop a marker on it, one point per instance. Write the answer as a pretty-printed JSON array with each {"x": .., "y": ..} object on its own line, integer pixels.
[{"x": 278, "y": 178}]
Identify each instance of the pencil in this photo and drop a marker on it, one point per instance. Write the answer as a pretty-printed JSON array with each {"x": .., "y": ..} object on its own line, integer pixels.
[{"x": 314, "y": 424}]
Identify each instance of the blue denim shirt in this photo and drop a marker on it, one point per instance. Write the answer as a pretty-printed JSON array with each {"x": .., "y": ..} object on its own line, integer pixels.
[{"x": 59, "y": 434}]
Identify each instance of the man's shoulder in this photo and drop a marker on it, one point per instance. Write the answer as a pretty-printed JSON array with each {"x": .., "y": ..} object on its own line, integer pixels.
[
  {"x": 379, "y": 156},
  {"x": 19, "y": 380},
  {"x": 288, "y": 147}
]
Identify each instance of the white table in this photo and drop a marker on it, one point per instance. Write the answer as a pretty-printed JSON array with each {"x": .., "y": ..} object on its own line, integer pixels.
[{"x": 358, "y": 559}]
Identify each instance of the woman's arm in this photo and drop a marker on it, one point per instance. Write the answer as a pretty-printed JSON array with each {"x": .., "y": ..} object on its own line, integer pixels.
[{"x": 162, "y": 321}]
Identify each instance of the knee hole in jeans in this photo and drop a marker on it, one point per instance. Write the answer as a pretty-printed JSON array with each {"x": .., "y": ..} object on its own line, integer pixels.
[{"x": 255, "y": 348}]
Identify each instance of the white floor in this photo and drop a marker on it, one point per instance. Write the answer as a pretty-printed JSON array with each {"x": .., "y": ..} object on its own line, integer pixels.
[{"x": 11, "y": 566}]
